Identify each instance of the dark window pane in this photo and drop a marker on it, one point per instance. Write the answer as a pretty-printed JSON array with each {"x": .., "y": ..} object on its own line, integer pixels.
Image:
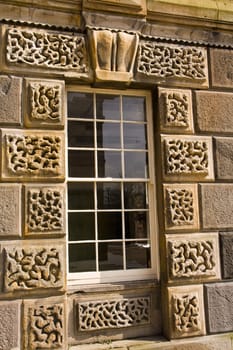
[
  {"x": 80, "y": 105},
  {"x": 134, "y": 108},
  {"x": 108, "y": 135},
  {"x": 110, "y": 256},
  {"x": 81, "y": 163},
  {"x": 109, "y": 225},
  {"x": 81, "y": 226},
  {"x": 80, "y": 134},
  {"x": 107, "y": 107},
  {"x": 138, "y": 255},
  {"x": 109, "y": 195},
  {"x": 80, "y": 195},
  {"x": 136, "y": 165},
  {"x": 82, "y": 257},
  {"x": 109, "y": 164},
  {"x": 135, "y": 136},
  {"x": 136, "y": 224},
  {"x": 135, "y": 195}
]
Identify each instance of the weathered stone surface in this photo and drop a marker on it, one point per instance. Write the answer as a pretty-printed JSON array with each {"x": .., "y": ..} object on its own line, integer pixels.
[
  {"x": 226, "y": 240},
  {"x": 10, "y": 210},
  {"x": 221, "y": 67},
  {"x": 214, "y": 111},
  {"x": 219, "y": 308},
  {"x": 217, "y": 206},
  {"x": 9, "y": 325},
  {"x": 224, "y": 157},
  {"x": 10, "y": 100}
]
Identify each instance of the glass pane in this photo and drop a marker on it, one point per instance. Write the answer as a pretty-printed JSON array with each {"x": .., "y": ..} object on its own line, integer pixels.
[
  {"x": 80, "y": 105},
  {"x": 136, "y": 224},
  {"x": 107, "y": 107},
  {"x": 109, "y": 164},
  {"x": 108, "y": 135},
  {"x": 80, "y": 195},
  {"x": 134, "y": 108},
  {"x": 135, "y": 136},
  {"x": 82, "y": 257},
  {"x": 109, "y": 225},
  {"x": 109, "y": 195},
  {"x": 80, "y": 134},
  {"x": 81, "y": 163},
  {"x": 110, "y": 256},
  {"x": 138, "y": 255},
  {"x": 81, "y": 226},
  {"x": 135, "y": 195},
  {"x": 136, "y": 164}
]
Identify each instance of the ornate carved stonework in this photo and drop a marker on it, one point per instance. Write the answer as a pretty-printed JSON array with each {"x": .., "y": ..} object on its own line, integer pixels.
[
  {"x": 94, "y": 315},
  {"x": 33, "y": 267},
  {"x": 47, "y": 50},
  {"x": 180, "y": 204}
]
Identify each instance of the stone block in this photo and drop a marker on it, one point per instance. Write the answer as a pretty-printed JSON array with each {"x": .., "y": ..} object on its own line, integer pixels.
[
  {"x": 175, "y": 110},
  {"x": 10, "y": 325},
  {"x": 226, "y": 240},
  {"x": 217, "y": 206},
  {"x": 221, "y": 62},
  {"x": 44, "y": 210},
  {"x": 10, "y": 210},
  {"x": 193, "y": 257},
  {"x": 187, "y": 158},
  {"x": 181, "y": 207},
  {"x": 32, "y": 155},
  {"x": 136, "y": 7},
  {"x": 214, "y": 111},
  {"x": 219, "y": 307},
  {"x": 224, "y": 156},
  {"x": 10, "y": 100}
]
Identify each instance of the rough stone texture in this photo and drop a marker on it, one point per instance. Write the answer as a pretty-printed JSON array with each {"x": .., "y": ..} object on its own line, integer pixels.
[
  {"x": 214, "y": 111},
  {"x": 224, "y": 157},
  {"x": 221, "y": 67},
  {"x": 226, "y": 240},
  {"x": 10, "y": 210},
  {"x": 217, "y": 206},
  {"x": 219, "y": 308},
  {"x": 9, "y": 325},
  {"x": 10, "y": 100}
]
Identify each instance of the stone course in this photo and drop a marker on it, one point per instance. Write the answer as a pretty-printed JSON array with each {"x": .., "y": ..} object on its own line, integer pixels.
[{"x": 221, "y": 68}]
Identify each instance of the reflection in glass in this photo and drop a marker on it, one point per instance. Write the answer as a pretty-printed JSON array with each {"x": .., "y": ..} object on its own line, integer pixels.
[
  {"x": 107, "y": 107},
  {"x": 136, "y": 224},
  {"x": 110, "y": 256},
  {"x": 109, "y": 164},
  {"x": 138, "y": 255},
  {"x": 82, "y": 257},
  {"x": 135, "y": 136},
  {"x": 108, "y": 135},
  {"x": 80, "y": 105},
  {"x": 81, "y": 226},
  {"x": 80, "y": 134},
  {"x": 109, "y": 195},
  {"x": 81, "y": 163},
  {"x": 134, "y": 108},
  {"x": 109, "y": 225},
  {"x": 80, "y": 195},
  {"x": 135, "y": 195},
  {"x": 136, "y": 164}
]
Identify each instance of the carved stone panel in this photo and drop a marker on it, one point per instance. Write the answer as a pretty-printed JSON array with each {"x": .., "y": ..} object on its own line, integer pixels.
[
  {"x": 104, "y": 314},
  {"x": 193, "y": 256},
  {"x": 33, "y": 266},
  {"x": 175, "y": 109},
  {"x": 44, "y": 210},
  {"x": 44, "y": 103},
  {"x": 187, "y": 158},
  {"x": 30, "y": 155}
]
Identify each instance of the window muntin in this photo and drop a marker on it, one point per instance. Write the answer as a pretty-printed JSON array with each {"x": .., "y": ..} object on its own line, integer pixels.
[{"x": 110, "y": 177}]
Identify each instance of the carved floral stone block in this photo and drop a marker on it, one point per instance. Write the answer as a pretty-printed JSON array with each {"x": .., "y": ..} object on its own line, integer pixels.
[
  {"x": 104, "y": 314},
  {"x": 185, "y": 311},
  {"x": 187, "y": 158},
  {"x": 44, "y": 324},
  {"x": 44, "y": 210},
  {"x": 193, "y": 256},
  {"x": 175, "y": 109},
  {"x": 30, "y": 267},
  {"x": 181, "y": 207},
  {"x": 44, "y": 103},
  {"x": 30, "y": 155}
]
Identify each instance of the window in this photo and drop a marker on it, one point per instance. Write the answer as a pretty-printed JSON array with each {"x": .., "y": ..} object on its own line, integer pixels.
[{"x": 111, "y": 210}]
